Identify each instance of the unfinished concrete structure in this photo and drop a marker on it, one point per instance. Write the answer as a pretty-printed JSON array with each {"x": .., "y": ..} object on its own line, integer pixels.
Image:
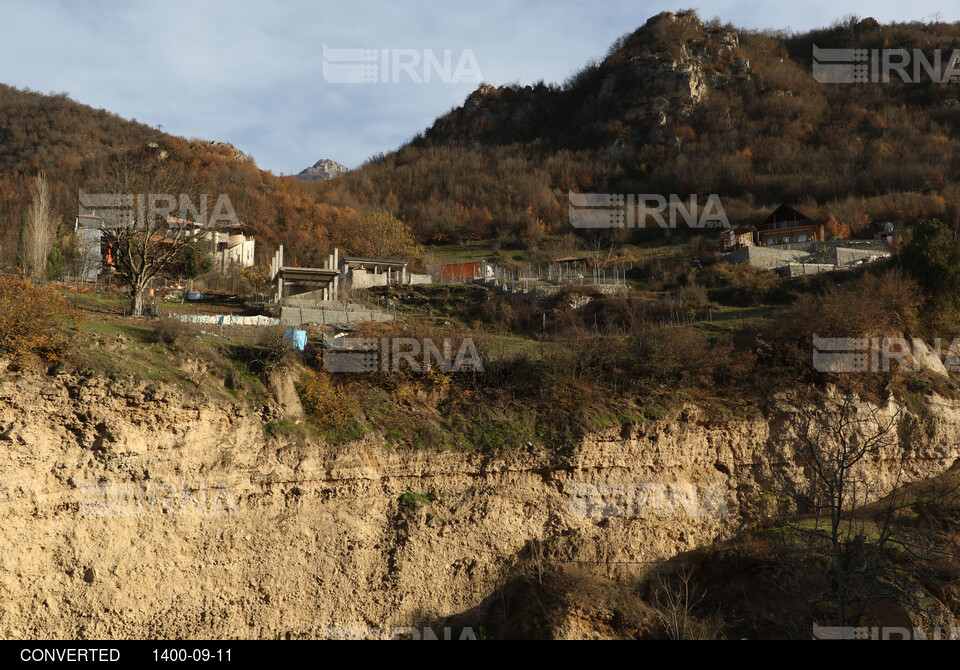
[
  {"x": 361, "y": 273},
  {"x": 317, "y": 295},
  {"x": 309, "y": 283}
]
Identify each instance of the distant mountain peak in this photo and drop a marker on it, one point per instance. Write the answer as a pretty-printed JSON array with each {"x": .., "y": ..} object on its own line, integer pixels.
[{"x": 322, "y": 170}]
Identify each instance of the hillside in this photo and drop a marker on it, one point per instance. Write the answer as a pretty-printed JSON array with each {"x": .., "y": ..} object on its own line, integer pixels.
[
  {"x": 683, "y": 107},
  {"x": 75, "y": 146},
  {"x": 655, "y": 444},
  {"x": 677, "y": 106},
  {"x": 260, "y": 509}
]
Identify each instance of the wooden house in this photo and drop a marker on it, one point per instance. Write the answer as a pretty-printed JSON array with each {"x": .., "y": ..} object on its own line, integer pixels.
[{"x": 787, "y": 225}]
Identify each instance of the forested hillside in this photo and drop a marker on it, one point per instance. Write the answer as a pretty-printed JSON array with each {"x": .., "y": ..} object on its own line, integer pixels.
[
  {"x": 677, "y": 106},
  {"x": 683, "y": 107}
]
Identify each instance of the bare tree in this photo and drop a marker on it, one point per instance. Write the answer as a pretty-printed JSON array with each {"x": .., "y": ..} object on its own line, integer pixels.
[
  {"x": 674, "y": 602},
  {"x": 601, "y": 252},
  {"x": 142, "y": 236},
  {"x": 840, "y": 525},
  {"x": 40, "y": 231}
]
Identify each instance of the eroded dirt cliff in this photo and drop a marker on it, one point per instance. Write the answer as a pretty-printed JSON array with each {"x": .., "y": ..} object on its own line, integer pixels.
[{"x": 284, "y": 537}]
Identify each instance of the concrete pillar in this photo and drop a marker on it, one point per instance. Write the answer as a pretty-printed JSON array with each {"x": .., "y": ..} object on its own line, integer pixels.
[
  {"x": 336, "y": 280},
  {"x": 280, "y": 279}
]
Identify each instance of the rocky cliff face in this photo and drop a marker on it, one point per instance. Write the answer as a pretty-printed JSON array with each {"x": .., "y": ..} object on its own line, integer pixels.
[
  {"x": 233, "y": 151},
  {"x": 641, "y": 93},
  {"x": 322, "y": 170},
  {"x": 205, "y": 525}
]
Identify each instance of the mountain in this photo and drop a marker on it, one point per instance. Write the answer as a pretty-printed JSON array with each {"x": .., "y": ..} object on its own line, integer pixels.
[
  {"x": 322, "y": 170},
  {"x": 678, "y": 106},
  {"x": 684, "y": 107},
  {"x": 649, "y": 80},
  {"x": 74, "y": 145}
]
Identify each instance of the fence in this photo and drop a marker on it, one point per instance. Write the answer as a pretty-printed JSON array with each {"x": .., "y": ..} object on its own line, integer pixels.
[
  {"x": 581, "y": 273},
  {"x": 222, "y": 320}
]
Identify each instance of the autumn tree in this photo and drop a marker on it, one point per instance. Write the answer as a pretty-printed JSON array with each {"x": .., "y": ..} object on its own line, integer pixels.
[
  {"x": 258, "y": 276},
  {"x": 34, "y": 319},
  {"x": 40, "y": 229},
  {"x": 836, "y": 230},
  {"x": 380, "y": 234}
]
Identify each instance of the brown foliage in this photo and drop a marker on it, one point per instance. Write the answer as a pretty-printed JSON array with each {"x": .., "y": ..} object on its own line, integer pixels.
[
  {"x": 34, "y": 319},
  {"x": 872, "y": 305},
  {"x": 767, "y": 133},
  {"x": 325, "y": 400}
]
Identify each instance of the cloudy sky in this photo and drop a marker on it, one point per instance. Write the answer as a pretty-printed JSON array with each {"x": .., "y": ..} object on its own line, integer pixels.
[{"x": 253, "y": 73}]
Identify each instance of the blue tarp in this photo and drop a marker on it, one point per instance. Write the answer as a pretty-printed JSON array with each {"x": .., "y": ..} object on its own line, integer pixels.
[{"x": 297, "y": 338}]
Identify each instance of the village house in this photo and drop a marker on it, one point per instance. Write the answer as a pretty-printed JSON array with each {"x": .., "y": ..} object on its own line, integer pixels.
[
  {"x": 231, "y": 247},
  {"x": 787, "y": 225},
  {"x": 228, "y": 246},
  {"x": 792, "y": 243},
  {"x": 737, "y": 238}
]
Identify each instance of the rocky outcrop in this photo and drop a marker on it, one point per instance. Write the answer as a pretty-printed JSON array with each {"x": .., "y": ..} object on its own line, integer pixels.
[
  {"x": 650, "y": 78},
  {"x": 235, "y": 153},
  {"x": 282, "y": 384},
  {"x": 322, "y": 170},
  {"x": 133, "y": 510}
]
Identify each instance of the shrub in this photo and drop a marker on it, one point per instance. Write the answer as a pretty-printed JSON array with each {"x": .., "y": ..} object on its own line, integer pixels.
[
  {"x": 506, "y": 312},
  {"x": 873, "y": 305},
  {"x": 273, "y": 350},
  {"x": 34, "y": 319},
  {"x": 740, "y": 284},
  {"x": 170, "y": 332},
  {"x": 674, "y": 356},
  {"x": 325, "y": 401},
  {"x": 933, "y": 259},
  {"x": 662, "y": 274}
]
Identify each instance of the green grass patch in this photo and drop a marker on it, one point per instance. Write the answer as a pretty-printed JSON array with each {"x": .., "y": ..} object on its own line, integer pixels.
[
  {"x": 284, "y": 428},
  {"x": 92, "y": 301},
  {"x": 413, "y": 498}
]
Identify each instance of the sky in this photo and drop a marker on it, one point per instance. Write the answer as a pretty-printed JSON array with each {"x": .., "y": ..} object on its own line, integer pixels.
[{"x": 256, "y": 73}]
